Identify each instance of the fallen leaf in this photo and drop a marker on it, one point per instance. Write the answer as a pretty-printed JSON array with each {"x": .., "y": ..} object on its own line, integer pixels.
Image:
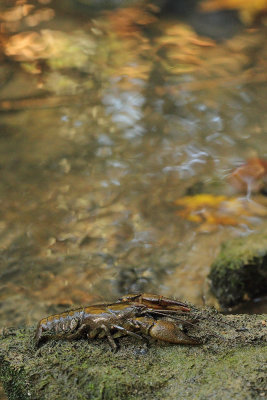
[
  {"x": 211, "y": 211},
  {"x": 250, "y": 176}
]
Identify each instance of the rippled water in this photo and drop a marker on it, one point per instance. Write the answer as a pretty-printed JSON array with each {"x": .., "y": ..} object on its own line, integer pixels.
[{"x": 124, "y": 120}]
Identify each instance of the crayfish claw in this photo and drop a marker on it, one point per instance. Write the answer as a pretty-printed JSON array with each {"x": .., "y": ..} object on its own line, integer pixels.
[
  {"x": 168, "y": 331},
  {"x": 155, "y": 301}
]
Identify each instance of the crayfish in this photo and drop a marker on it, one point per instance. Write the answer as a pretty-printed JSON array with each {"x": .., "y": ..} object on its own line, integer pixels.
[{"x": 137, "y": 315}]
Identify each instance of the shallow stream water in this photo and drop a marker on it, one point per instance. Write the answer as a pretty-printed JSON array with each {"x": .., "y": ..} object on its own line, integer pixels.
[{"x": 107, "y": 119}]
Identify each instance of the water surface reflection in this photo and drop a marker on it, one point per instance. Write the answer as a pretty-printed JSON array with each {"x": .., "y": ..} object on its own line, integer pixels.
[{"x": 118, "y": 123}]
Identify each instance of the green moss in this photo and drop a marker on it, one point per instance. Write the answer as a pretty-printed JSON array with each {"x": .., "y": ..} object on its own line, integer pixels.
[
  {"x": 229, "y": 359},
  {"x": 12, "y": 379},
  {"x": 240, "y": 270},
  {"x": 223, "y": 373}
]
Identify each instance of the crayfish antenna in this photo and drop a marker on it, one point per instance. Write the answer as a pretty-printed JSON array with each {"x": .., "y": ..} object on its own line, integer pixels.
[{"x": 173, "y": 316}]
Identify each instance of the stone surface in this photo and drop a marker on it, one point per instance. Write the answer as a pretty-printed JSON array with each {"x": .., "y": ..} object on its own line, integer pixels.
[
  {"x": 228, "y": 364},
  {"x": 239, "y": 272}
]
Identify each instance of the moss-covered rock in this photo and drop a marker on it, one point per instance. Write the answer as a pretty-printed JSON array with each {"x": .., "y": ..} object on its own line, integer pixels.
[
  {"x": 228, "y": 364},
  {"x": 240, "y": 271}
]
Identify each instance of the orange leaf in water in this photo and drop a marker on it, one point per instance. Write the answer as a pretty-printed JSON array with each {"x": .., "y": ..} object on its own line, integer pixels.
[
  {"x": 211, "y": 211},
  {"x": 127, "y": 21},
  {"x": 16, "y": 13},
  {"x": 250, "y": 177}
]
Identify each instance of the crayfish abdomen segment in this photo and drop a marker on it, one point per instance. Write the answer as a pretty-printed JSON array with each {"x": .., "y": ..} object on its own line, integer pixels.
[{"x": 58, "y": 325}]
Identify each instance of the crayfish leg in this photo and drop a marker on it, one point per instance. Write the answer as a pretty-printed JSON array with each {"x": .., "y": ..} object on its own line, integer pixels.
[
  {"x": 127, "y": 332},
  {"x": 110, "y": 338},
  {"x": 76, "y": 335}
]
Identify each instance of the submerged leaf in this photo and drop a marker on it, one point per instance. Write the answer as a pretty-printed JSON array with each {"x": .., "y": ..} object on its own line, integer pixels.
[
  {"x": 211, "y": 211},
  {"x": 251, "y": 176}
]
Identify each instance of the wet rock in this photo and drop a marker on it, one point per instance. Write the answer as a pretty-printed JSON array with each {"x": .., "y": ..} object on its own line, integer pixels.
[
  {"x": 239, "y": 273},
  {"x": 228, "y": 364},
  {"x": 218, "y": 25}
]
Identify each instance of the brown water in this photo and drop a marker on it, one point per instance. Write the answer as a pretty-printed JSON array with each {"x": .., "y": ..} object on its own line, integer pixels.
[{"x": 121, "y": 120}]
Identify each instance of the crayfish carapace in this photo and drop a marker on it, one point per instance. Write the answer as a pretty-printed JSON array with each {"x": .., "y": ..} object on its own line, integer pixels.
[{"x": 137, "y": 315}]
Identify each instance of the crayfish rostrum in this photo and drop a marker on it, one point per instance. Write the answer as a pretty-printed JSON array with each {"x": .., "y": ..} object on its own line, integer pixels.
[{"x": 137, "y": 315}]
